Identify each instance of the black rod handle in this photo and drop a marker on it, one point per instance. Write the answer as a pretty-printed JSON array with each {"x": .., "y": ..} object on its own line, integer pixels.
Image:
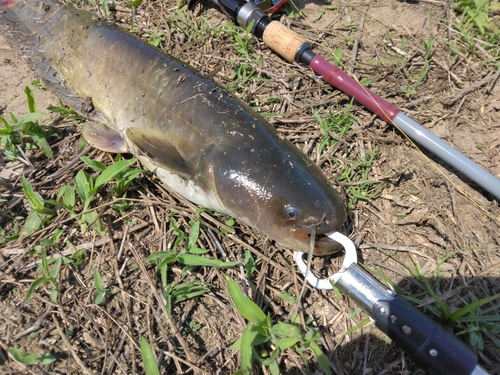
[{"x": 434, "y": 349}]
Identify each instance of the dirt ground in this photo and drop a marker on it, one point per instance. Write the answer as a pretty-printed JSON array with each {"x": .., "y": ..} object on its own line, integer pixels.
[{"x": 430, "y": 232}]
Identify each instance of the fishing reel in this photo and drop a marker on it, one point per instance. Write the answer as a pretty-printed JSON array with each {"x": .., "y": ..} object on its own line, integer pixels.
[{"x": 268, "y": 6}]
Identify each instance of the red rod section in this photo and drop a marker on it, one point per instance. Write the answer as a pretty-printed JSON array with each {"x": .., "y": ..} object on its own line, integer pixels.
[{"x": 341, "y": 80}]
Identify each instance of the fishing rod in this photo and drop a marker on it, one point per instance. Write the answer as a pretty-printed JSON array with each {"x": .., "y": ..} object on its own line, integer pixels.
[
  {"x": 434, "y": 349},
  {"x": 294, "y": 48}
]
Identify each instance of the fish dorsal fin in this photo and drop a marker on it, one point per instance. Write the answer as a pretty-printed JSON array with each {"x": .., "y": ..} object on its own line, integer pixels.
[
  {"x": 103, "y": 137},
  {"x": 161, "y": 151}
]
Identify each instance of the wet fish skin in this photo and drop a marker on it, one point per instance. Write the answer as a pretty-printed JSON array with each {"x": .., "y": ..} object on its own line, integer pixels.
[{"x": 202, "y": 142}]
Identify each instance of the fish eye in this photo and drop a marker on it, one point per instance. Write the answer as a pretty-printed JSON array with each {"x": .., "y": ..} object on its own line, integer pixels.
[{"x": 292, "y": 212}]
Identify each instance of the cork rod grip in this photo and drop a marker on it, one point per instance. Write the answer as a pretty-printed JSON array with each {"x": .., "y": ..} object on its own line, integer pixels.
[{"x": 282, "y": 40}]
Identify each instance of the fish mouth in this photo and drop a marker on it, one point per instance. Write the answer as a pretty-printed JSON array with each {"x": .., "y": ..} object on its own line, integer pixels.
[{"x": 323, "y": 244}]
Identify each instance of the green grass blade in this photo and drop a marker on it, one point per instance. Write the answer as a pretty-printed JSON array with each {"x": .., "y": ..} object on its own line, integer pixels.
[
  {"x": 8, "y": 129},
  {"x": 195, "y": 260},
  {"x": 34, "y": 285},
  {"x": 30, "y": 98},
  {"x": 98, "y": 281},
  {"x": 320, "y": 357},
  {"x": 56, "y": 267},
  {"x": 110, "y": 172},
  {"x": 25, "y": 359},
  {"x": 245, "y": 305},
  {"x": 148, "y": 359},
  {"x": 31, "y": 118},
  {"x": 35, "y": 199},
  {"x": 94, "y": 164},
  {"x": 83, "y": 185},
  {"x": 46, "y": 358},
  {"x": 134, "y": 3},
  {"x": 286, "y": 342},
  {"x": 193, "y": 234},
  {"x": 472, "y": 306},
  {"x": 33, "y": 223},
  {"x": 67, "y": 194},
  {"x": 246, "y": 350},
  {"x": 41, "y": 142}
]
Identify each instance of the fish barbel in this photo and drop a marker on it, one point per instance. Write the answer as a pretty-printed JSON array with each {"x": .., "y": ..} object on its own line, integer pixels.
[{"x": 200, "y": 141}]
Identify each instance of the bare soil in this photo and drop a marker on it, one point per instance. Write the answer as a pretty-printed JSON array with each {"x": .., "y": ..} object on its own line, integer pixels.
[{"x": 431, "y": 233}]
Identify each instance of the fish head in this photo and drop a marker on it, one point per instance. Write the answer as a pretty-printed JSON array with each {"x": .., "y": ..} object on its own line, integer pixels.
[
  {"x": 281, "y": 193},
  {"x": 290, "y": 218}
]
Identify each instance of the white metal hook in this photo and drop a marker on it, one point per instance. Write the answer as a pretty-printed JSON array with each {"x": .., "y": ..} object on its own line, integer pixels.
[{"x": 326, "y": 284}]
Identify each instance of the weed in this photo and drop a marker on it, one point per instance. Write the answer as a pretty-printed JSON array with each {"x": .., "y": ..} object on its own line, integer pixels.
[
  {"x": 291, "y": 10},
  {"x": 249, "y": 264},
  {"x": 244, "y": 72},
  {"x": 356, "y": 178},
  {"x": 242, "y": 40},
  {"x": 270, "y": 100},
  {"x": 408, "y": 91},
  {"x": 123, "y": 178},
  {"x": 178, "y": 292},
  {"x": 50, "y": 276},
  {"x": 185, "y": 26},
  {"x": 156, "y": 38},
  {"x": 38, "y": 84},
  {"x": 134, "y": 3},
  {"x": 230, "y": 223},
  {"x": 477, "y": 29},
  {"x": 25, "y": 134},
  {"x": 192, "y": 328},
  {"x": 477, "y": 318},
  {"x": 478, "y": 322},
  {"x": 349, "y": 26},
  {"x": 320, "y": 15},
  {"x": 86, "y": 187},
  {"x": 102, "y": 293},
  {"x": 41, "y": 210},
  {"x": 289, "y": 297},
  {"x": 31, "y": 358},
  {"x": 148, "y": 359},
  {"x": 104, "y": 4},
  {"x": 190, "y": 256},
  {"x": 51, "y": 240},
  {"x": 334, "y": 126},
  {"x": 278, "y": 337},
  {"x": 65, "y": 112},
  {"x": 476, "y": 16},
  {"x": 337, "y": 56},
  {"x": 419, "y": 78}
]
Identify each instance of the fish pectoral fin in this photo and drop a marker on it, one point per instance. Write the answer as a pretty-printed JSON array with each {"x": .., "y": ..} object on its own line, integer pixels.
[
  {"x": 103, "y": 137},
  {"x": 161, "y": 151}
]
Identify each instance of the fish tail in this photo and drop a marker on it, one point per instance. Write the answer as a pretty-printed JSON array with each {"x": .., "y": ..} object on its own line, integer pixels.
[{"x": 23, "y": 23}]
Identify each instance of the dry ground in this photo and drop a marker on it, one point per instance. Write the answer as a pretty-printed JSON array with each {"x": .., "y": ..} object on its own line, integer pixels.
[{"x": 421, "y": 232}]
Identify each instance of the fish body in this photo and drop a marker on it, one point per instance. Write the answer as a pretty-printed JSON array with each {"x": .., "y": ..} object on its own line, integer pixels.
[{"x": 202, "y": 142}]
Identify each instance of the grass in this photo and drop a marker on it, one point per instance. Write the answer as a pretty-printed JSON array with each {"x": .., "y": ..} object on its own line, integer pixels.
[
  {"x": 473, "y": 318},
  {"x": 20, "y": 136},
  {"x": 182, "y": 261},
  {"x": 476, "y": 22},
  {"x": 85, "y": 186},
  {"x": 262, "y": 341},
  {"x": 148, "y": 358},
  {"x": 31, "y": 358}
]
